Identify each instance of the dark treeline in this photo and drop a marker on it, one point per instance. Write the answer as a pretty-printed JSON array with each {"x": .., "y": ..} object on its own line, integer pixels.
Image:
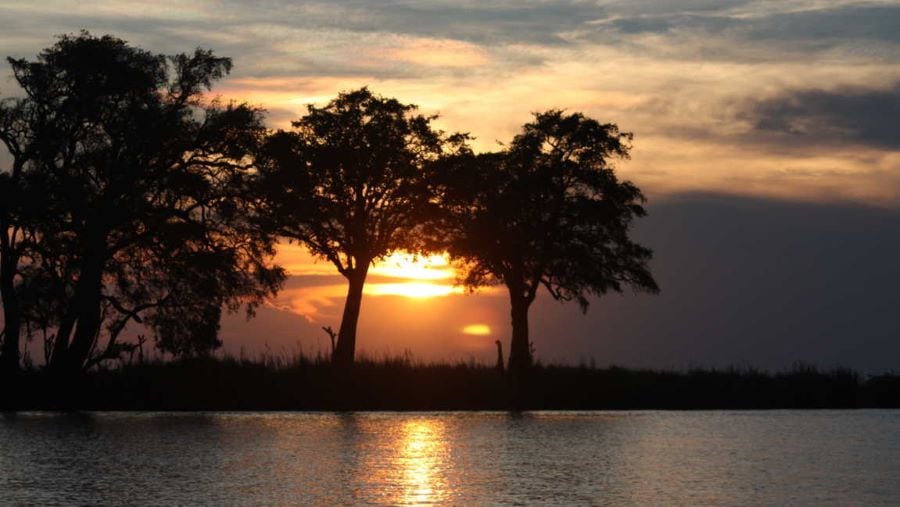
[
  {"x": 125, "y": 203},
  {"x": 298, "y": 383},
  {"x": 132, "y": 198}
]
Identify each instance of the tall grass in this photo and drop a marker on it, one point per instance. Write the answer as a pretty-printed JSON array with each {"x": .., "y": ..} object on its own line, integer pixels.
[{"x": 294, "y": 381}]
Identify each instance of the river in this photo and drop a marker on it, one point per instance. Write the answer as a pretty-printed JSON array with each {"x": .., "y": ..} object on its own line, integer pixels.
[{"x": 461, "y": 458}]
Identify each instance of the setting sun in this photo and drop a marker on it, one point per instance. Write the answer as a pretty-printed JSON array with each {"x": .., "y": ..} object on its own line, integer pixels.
[
  {"x": 417, "y": 276},
  {"x": 477, "y": 329},
  {"x": 417, "y": 267}
]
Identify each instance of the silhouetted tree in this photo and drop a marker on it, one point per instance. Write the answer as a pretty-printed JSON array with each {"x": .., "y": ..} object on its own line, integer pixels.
[
  {"x": 146, "y": 193},
  {"x": 23, "y": 130},
  {"x": 548, "y": 211},
  {"x": 348, "y": 183}
]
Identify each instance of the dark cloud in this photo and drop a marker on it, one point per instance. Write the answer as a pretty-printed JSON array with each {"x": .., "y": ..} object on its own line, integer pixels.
[
  {"x": 655, "y": 7},
  {"x": 847, "y": 115},
  {"x": 869, "y": 31},
  {"x": 854, "y": 23},
  {"x": 483, "y": 21},
  {"x": 748, "y": 280},
  {"x": 254, "y": 33},
  {"x": 708, "y": 24},
  {"x": 272, "y": 38},
  {"x": 837, "y": 23}
]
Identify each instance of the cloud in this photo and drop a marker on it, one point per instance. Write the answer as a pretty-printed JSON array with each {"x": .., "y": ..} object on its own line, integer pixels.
[
  {"x": 762, "y": 281},
  {"x": 856, "y": 23},
  {"x": 490, "y": 22},
  {"x": 691, "y": 78},
  {"x": 835, "y": 22},
  {"x": 752, "y": 31},
  {"x": 293, "y": 28},
  {"x": 830, "y": 117}
]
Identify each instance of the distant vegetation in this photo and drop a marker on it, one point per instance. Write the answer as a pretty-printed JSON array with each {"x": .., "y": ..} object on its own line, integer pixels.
[{"x": 400, "y": 383}]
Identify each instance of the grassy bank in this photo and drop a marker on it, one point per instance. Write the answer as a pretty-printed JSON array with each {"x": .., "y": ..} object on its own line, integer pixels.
[{"x": 401, "y": 384}]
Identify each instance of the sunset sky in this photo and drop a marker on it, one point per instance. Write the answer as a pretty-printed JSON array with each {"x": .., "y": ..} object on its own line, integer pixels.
[{"x": 767, "y": 138}]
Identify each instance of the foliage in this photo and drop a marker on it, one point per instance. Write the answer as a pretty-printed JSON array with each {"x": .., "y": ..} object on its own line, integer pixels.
[
  {"x": 132, "y": 198},
  {"x": 348, "y": 183},
  {"x": 146, "y": 194},
  {"x": 548, "y": 211}
]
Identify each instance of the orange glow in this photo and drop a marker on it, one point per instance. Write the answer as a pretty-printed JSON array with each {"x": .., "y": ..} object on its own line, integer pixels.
[
  {"x": 438, "y": 53},
  {"x": 477, "y": 329},
  {"x": 297, "y": 260},
  {"x": 411, "y": 289},
  {"x": 419, "y": 276},
  {"x": 416, "y": 267}
]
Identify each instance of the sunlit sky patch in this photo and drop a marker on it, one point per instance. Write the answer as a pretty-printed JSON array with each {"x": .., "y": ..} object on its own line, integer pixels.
[
  {"x": 322, "y": 289},
  {"x": 410, "y": 289},
  {"x": 419, "y": 267}
]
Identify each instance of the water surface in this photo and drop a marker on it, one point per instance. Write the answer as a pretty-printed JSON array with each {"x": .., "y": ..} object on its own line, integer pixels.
[{"x": 561, "y": 458}]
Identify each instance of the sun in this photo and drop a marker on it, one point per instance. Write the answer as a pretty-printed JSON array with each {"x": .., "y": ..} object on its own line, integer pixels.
[
  {"x": 416, "y": 267},
  {"x": 477, "y": 330},
  {"x": 413, "y": 276}
]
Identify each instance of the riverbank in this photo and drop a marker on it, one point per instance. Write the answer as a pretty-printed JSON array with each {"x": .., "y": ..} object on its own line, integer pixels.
[{"x": 402, "y": 384}]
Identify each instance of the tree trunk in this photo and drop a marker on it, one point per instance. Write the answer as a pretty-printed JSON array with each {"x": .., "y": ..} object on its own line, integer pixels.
[
  {"x": 69, "y": 356},
  {"x": 61, "y": 341},
  {"x": 520, "y": 346},
  {"x": 345, "y": 350},
  {"x": 12, "y": 322},
  {"x": 88, "y": 324}
]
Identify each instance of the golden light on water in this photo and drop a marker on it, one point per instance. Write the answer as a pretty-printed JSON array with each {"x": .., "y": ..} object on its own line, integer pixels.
[
  {"x": 421, "y": 459},
  {"x": 477, "y": 329}
]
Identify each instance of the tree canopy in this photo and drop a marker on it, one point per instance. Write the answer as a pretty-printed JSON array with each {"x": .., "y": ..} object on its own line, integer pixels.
[
  {"x": 348, "y": 182},
  {"x": 145, "y": 190},
  {"x": 132, "y": 197},
  {"x": 549, "y": 211}
]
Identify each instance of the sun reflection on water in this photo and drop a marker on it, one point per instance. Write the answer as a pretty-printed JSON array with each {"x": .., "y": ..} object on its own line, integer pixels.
[{"x": 422, "y": 455}]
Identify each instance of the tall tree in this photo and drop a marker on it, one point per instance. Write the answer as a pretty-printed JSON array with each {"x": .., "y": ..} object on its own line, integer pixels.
[
  {"x": 23, "y": 128},
  {"x": 146, "y": 192},
  {"x": 548, "y": 211},
  {"x": 348, "y": 183}
]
